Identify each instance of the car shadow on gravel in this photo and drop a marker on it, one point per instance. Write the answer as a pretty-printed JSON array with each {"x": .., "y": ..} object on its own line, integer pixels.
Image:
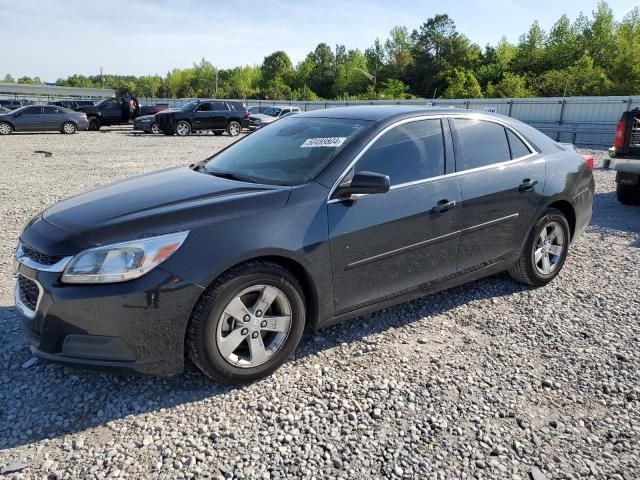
[
  {"x": 609, "y": 213},
  {"x": 45, "y": 401}
]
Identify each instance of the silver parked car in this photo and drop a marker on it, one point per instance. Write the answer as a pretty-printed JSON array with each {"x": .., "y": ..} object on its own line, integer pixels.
[
  {"x": 271, "y": 114},
  {"x": 43, "y": 118}
]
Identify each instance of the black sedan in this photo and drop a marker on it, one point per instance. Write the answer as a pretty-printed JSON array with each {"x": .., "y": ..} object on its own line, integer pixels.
[
  {"x": 317, "y": 218},
  {"x": 43, "y": 118}
]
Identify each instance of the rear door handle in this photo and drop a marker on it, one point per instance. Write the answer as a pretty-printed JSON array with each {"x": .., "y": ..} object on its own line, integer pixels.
[
  {"x": 443, "y": 206},
  {"x": 527, "y": 185}
]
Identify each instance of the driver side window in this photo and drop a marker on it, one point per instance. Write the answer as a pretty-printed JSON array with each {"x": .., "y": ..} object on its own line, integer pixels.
[
  {"x": 205, "y": 107},
  {"x": 407, "y": 153}
]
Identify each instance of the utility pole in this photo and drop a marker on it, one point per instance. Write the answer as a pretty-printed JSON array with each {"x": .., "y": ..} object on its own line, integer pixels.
[
  {"x": 101, "y": 78},
  {"x": 216, "y": 83}
]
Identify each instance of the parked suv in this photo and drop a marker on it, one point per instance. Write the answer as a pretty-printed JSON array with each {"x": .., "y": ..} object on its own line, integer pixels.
[
  {"x": 218, "y": 116},
  {"x": 625, "y": 158}
]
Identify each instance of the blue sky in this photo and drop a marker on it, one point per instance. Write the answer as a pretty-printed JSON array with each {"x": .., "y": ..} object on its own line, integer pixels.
[{"x": 55, "y": 39}]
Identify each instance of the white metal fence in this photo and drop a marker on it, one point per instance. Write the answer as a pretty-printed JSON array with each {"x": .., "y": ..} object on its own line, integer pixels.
[{"x": 581, "y": 120}]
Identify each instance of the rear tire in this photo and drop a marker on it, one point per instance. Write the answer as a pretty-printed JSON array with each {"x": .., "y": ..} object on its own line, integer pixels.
[
  {"x": 628, "y": 194},
  {"x": 183, "y": 128},
  {"x": 69, "y": 128},
  {"x": 545, "y": 250},
  {"x": 6, "y": 128},
  {"x": 231, "y": 339},
  {"x": 94, "y": 124},
  {"x": 234, "y": 128}
]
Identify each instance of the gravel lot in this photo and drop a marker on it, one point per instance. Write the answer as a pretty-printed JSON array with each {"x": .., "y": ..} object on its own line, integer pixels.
[{"x": 488, "y": 380}]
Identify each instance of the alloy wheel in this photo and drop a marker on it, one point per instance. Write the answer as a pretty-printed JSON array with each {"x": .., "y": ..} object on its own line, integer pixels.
[
  {"x": 254, "y": 326},
  {"x": 549, "y": 248},
  {"x": 155, "y": 129},
  {"x": 234, "y": 129},
  {"x": 183, "y": 129},
  {"x": 69, "y": 127},
  {"x": 5, "y": 129}
]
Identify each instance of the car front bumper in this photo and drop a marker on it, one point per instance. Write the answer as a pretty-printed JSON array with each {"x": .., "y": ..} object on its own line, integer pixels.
[
  {"x": 130, "y": 327},
  {"x": 144, "y": 126}
]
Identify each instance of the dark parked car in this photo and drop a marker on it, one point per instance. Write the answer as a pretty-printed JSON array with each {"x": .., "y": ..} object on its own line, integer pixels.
[
  {"x": 317, "y": 218},
  {"x": 625, "y": 158},
  {"x": 72, "y": 104},
  {"x": 42, "y": 118},
  {"x": 147, "y": 123},
  {"x": 11, "y": 104},
  {"x": 114, "y": 111},
  {"x": 216, "y": 115}
]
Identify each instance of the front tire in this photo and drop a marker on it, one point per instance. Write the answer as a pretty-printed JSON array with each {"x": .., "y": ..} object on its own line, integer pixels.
[
  {"x": 628, "y": 194},
  {"x": 94, "y": 124},
  {"x": 234, "y": 128},
  {"x": 183, "y": 128},
  {"x": 247, "y": 323},
  {"x": 545, "y": 250},
  {"x": 6, "y": 128},
  {"x": 155, "y": 129},
  {"x": 69, "y": 128}
]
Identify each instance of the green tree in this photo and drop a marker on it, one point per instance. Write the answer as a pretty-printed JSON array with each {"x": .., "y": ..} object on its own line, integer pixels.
[
  {"x": 581, "y": 78},
  {"x": 462, "y": 84},
  {"x": 8, "y": 79},
  {"x": 277, "y": 66},
  {"x": 511, "y": 85},
  {"x": 393, "y": 88},
  {"x": 321, "y": 77}
]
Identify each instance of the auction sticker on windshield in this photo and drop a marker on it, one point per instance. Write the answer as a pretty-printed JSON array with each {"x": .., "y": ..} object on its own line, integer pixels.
[{"x": 323, "y": 142}]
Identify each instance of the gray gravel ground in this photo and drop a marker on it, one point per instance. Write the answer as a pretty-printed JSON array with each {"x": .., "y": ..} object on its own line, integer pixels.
[{"x": 489, "y": 380}]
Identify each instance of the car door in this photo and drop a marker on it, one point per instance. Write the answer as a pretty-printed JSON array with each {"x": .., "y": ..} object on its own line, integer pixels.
[
  {"x": 502, "y": 180},
  {"x": 28, "y": 119},
  {"x": 203, "y": 116},
  {"x": 52, "y": 118},
  {"x": 388, "y": 244},
  {"x": 220, "y": 115},
  {"x": 112, "y": 110}
]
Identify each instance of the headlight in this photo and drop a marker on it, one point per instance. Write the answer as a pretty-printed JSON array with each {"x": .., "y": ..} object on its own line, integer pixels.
[{"x": 122, "y": 261}]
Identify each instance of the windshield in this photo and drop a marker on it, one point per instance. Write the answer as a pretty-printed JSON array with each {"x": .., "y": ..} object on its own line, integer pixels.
[
  {"x": 187, "y": 107},
  {"x": 272, "y": 111},
  {"x": 291, "y": 151}
]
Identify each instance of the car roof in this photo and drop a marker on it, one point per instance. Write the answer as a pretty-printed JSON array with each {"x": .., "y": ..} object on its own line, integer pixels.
[{"x": 378, "y": 112}]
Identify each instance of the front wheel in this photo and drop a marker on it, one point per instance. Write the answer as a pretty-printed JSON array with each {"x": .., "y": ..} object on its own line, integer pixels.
[
  {"x": 628, "y": 194},
  {"x": 183, "y": 128},
  {"x": 5, "y": 128},
  {"x": 94, "y": 124},
  {"x": 155, "y": 129},
  {"x": 69, "y": 128},
  {"x": 247, "y": 324},
  {"x": 545, "y": 250},
  {"x": 234, "y": 128}
]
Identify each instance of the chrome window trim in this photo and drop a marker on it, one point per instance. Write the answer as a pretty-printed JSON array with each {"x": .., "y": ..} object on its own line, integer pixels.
[
  {"x": 26, "y": 311},
  {"x": 59, "y": 266},
  {"x": 474, "y": 116}
]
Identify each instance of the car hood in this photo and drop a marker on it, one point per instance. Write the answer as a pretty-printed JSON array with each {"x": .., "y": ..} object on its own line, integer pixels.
[
  {"x": 166, "y": 201},
  {"x": 86, "y": 109},
  {"x": 262, "y": 117},
  {"x": 145, "y": 118}
]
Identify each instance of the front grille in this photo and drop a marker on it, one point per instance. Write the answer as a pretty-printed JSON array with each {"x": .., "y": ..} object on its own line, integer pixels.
[
  {"x": 40, "y": 257},
  {"x": 28, "y": 291}
]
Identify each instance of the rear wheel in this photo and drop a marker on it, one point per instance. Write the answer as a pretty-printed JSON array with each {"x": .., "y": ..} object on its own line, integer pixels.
[
  {"x": 183, "y": 128},
  {"x": 628, "y": 194},
  {"x": 94, "y": 123},
  {"x": 234, "y": 128},
  {"x": 545, "y": 250},
  {"x": 5, "y": 128},
  {"x": 69, "y": 128},
  {"x": 247, "y": 324}
]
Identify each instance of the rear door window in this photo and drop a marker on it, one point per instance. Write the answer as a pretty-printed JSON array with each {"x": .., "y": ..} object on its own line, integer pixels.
[
  {"x": 483, "y": 143},
  {"x": 219, "y": 106},
  {"x": 407, "y": 153},
  {"x": 517, "y": 146}
]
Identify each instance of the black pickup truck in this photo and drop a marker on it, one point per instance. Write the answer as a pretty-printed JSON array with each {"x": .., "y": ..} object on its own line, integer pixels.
[
  {"x": 625, "y": 158},
  {"x": 218, "y": 116},
  {"x": 113, "y": 111}
]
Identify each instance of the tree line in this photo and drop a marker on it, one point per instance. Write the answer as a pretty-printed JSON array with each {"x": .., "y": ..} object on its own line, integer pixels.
[{"x": 594, "y": 55}]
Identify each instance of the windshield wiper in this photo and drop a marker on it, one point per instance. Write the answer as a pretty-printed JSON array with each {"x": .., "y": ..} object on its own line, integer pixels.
[{"x": 230, "y": 176}]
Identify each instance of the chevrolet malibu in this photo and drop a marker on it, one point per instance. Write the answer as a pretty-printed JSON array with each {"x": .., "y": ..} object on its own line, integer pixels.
[{"x": 317, "y": 218}]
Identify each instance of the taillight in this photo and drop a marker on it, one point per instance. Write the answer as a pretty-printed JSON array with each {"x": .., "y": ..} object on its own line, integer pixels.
[
  {"x": 588, "y": 159},
  {"x": 618, "y": 141}
]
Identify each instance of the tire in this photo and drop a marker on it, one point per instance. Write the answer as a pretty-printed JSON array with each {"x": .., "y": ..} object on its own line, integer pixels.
[
  {"x": 6, "y": 128},
  {"x": 155, "y": 129},
  {"x": 183, "y": 128},
  {"x": 531, "y": 266},
  {"x": 628, "y": 194},
  {"x": 94, "y": 124},
  {"x": 234, "y": 128},
  {"x": 211, "y": 326},
  {"x": 69, "y": 128}
]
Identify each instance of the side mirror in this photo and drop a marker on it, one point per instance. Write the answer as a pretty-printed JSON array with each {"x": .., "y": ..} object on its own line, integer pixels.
[{"x": 363, "y": 183}]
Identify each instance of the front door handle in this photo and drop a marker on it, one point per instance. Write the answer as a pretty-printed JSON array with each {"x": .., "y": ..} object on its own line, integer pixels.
[
  {"x": 527, "y": 185},
  {"x": 443, "y": 206}
]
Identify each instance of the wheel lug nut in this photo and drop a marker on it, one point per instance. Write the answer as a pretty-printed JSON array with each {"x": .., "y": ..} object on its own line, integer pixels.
[
  {"x": 259, "y": 313},
  {"x": 246, "y": 318},
  {"x": 244, "y": 331},
  {"x": 263, "y": 324},
  {"x": 254, "y": 335}
]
